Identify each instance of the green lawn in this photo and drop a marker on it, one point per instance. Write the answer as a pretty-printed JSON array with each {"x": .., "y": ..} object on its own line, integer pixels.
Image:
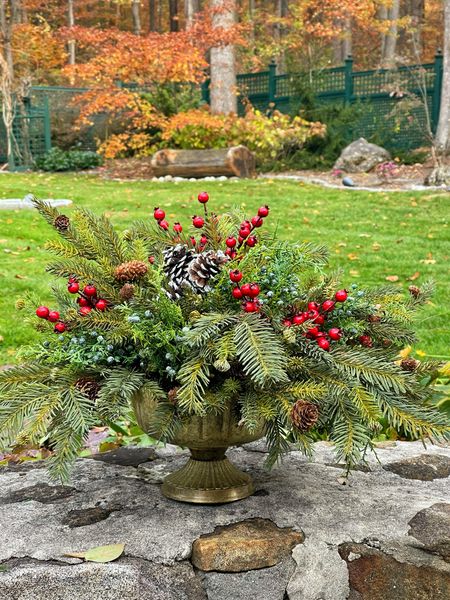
[{"x": 370, "y": 235}]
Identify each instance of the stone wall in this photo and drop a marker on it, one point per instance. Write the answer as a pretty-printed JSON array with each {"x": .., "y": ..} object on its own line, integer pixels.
[{"x": 308, "y": 533}]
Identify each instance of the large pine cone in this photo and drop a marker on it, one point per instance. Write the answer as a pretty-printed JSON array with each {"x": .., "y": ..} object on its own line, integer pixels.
[
  {"x": 176, "y": 264},
  {"x": 304, "y": 415},
  {"x": 61, "y": 223},
  {"x": 130, "y": 271},
  {"x": 204, "y": 267},
  {"x": 89, "y": 387}
]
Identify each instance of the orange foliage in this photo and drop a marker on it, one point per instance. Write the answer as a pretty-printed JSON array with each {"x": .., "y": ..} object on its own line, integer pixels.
[{"x": 37, "y": 52}]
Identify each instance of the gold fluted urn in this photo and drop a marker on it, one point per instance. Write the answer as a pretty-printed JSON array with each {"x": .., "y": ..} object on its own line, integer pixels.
[{"x": 208, "y": 477}]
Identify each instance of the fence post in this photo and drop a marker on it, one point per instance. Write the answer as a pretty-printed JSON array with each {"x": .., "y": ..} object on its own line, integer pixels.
[
  {"x": 204, "y": 88},
  {"x": 437, "y": 89},
  {"x": 272, "y": 91},
  {"x": 348, "y": 73},
  {"x": 47, "y": 128}
]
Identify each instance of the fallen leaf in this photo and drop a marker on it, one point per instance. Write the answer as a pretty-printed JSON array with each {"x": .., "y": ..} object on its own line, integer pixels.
[
  {"x": 100, "y": 554},
  {"x": 405, "y": 352},
  {"x": 354, "y": 273},
  {"x": 20, "y": 276},
  {"x": 352, "y": 256},
  {"x": 376, "y": 246},
  {"x": 414, "y": 276},
  {"x": 392, "y": 278}
]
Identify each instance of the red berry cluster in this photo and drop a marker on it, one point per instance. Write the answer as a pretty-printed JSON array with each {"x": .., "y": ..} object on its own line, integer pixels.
[
  {"x": 247, "y": 292},
  {"x": 245, "y": 231},
  {"x": 318, "y": 313},
  {"x": 43, "y": 312},
  {"x": 159, "y": 215},
  {"x": 87, "y": 299}
]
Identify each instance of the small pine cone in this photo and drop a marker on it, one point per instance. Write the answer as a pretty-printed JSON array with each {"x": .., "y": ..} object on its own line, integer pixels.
[
  {"x": 374, "y": 318},
  {"x": 414, "y": 290},
  {"x": 130, "y": 271},
  {"x": 409, "y": 364},
  {"x": 304, "y": 415},
  {"x": 126, "y": 291},
  {"x": 172, "y": 395},
  {"x": 61, "y": 223},
  {"x": 20, "y": 304},
  {"x": 89, "y": 387},
  {"x": 204, "y": 267}
]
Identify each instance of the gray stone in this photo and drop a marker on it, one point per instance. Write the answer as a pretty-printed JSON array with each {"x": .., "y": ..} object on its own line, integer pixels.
[
  {"x": 360, "y": 157},
  {"x": 320, "y": 574},
  {"x": 422, "y": 468},
  {"x": 376, "y": 506},
  {"x": 431, "y": 527},
  {"x": 127, "y": 456},
  {"x": 264, "y": 584},
  {"x": 129, "y": 579}
]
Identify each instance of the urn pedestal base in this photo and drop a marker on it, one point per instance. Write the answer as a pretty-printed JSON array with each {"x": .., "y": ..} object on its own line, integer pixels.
[{"x": 208, "y": 478}]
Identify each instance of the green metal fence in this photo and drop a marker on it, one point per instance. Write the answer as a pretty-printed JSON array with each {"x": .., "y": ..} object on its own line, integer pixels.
[{"x": 381, "y": 95}]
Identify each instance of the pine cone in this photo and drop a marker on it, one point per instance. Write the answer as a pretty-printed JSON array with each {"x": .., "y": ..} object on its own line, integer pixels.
[
  {"x": 176, "y": 264},
  {"x": 20, "y": 304},
  {"x": 130, "y": 271},
  {"x": 414, "y": 290},
  {"x": 89, "y": 387},
  {"x": 374, "y": 318},
  {"x": 204, "y": 267},
  {"x": 61, "y": 223},
  {"x": 409, "y": 364},
  {"x": 126, "y": 291},
  {"x": 172, "y": 395},
  {"x": 304, "y": 415}
]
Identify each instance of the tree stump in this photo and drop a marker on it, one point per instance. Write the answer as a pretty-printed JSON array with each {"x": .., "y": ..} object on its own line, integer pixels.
[{"x": 237, "y": 161}]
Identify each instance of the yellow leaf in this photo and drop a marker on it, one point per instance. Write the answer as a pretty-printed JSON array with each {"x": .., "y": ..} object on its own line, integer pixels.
[
  {"x": 354, "y": 273},
  {"x": 392, "y": 278},
  {"x": 352, "y": 256},
  {"x": 405, "y": 352},
  {"x": 421, "y": 353},
  {"x": 105, "y": 554},
  {"x": 414, "y": 276}
]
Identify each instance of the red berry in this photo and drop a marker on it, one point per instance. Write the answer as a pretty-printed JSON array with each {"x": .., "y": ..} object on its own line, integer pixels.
[
  {"x": 198, "y": 222},
  {"x": 85, "y": 310},
  {"x": 159, "y": 214},
  {"x": 83, "y": 301},
  {"x": 235, "y": 276},
  {"x": 246, "y": 224},
  {"x": 313, "y": 306},
  {"x": 299, "y": 319},
  {"x": 341, "y": 295},
  {"x": 73, "y": 288},
  {"x": 42, "y": 312},
  {"x": 60, "y": 327},
  {"x": 328, "y": 305},
  {"x": 90, "y": 290},
  {"x": 193, "y": 240},
  {"x": 163, "y": 224},
  {"x": 245, "y": 289},
  {"x": 366, "y": 340},
  {"x": 263, "y": 211},
  {"x": 177, "y": 227},
  {"x": 53, "y": 316},
  {"x": 244, "y": 232},
  {"x": 151, "y": 260},
  {"x": 321, "y": 334},
  {"x": 250, "y": 306},
  {"x": 320, "y": 320},
  {"x": 230, "y": 242},
  {"x": 257, "y": 221},
  {"x": 254, "y": 290},
  {"x": 313, "y": 314},
  {"x": 101, "y": 305},
  {"x": 240, "y": 240},
  {"x": 323, "y": 343},
  {"x": 203, "y": 197},
  {"x": 251, "y": 241},
  {"x": 237, "y": 293},
  {"x": 233, "y": 255},
  {"x": 335, "y": 333},
  {"x": 287, "y": 322},
  {"x": 313, "y": 331},
  {"x": 203, "y": 240}
]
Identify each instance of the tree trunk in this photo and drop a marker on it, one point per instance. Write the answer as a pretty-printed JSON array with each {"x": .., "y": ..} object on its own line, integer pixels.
[
  {"x": 152, "y": 17},
  {"x": 391, "y": 36},
  {"x": 347, "y": 40},
  {"x": 411, "y": 37},
  {"x": 231, "y": 162},
  {"x": 382, "y": 16},
  {"x": 191, "y": 8},
  {"x": 443, "y": 130},
  {"x": 136, "y": 13},
  {"x": 7, "y": 81},
  {"x": 223, "y": 91},
  {"x": 71, "y": 23},
  {"x": 173, "y": 15}
]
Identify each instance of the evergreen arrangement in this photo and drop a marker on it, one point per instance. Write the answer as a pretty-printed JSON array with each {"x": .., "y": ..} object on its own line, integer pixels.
[{"x": 220, "y": 315}]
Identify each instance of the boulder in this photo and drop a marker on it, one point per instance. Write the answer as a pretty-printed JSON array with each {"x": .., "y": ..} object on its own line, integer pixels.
[{"x": 361, "y": 157}]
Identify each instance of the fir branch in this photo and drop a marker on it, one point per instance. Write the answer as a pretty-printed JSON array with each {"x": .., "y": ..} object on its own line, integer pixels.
[{"x": 194, "y": 379}]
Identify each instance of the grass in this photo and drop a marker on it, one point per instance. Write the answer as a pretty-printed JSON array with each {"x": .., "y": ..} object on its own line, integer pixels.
[{"x": 371, "y": 236}]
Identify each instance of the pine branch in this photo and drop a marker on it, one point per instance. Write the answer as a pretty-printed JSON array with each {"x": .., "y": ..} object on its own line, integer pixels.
[
  {"x": 194, "y": 379},
  {"x": 208, "y": 326}
]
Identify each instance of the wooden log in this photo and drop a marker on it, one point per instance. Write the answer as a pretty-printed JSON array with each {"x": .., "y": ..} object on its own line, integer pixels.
[{"x": 237, "y": 161}]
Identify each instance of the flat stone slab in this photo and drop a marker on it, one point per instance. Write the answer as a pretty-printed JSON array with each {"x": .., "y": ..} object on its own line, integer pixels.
[
  {"x": 19, "y": 203},
  {"x": 363, "y": 538}
]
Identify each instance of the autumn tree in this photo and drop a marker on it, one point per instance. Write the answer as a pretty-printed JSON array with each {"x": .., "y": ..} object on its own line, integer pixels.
[
  {"x": 223, "y": 89},
  {"x": 443, "y": 130}
]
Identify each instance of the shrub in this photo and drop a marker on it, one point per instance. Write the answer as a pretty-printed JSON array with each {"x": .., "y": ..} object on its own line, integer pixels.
[{"x": 68, "y": 160}]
